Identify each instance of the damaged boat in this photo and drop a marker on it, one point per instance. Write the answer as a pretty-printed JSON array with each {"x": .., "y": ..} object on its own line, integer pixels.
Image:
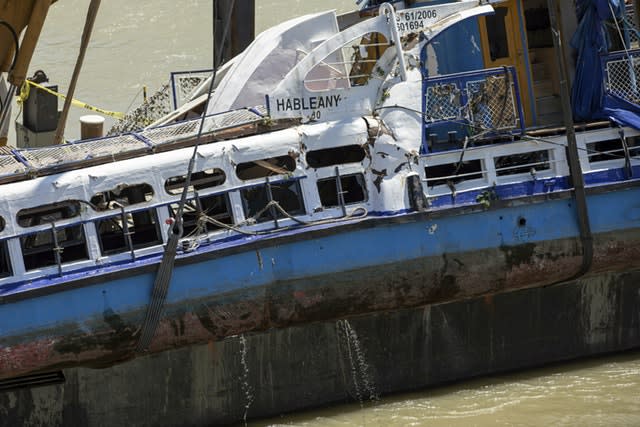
[{"x": 404, "y": 155}]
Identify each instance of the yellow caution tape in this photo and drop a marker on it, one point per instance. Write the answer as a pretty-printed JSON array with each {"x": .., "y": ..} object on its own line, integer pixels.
[{"x": 24, "y": 94}]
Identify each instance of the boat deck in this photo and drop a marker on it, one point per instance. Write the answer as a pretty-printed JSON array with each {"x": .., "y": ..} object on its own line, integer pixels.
[{"x": 20, "y": 164}]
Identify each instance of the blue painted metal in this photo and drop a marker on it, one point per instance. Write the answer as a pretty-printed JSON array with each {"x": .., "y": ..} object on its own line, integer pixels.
[
  {"x": 442, "y": 126},
  {"x": 356, "y": 249}
]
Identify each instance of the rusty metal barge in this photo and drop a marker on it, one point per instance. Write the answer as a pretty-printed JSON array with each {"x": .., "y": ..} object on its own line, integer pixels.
[{"x": 404, "y": 184}]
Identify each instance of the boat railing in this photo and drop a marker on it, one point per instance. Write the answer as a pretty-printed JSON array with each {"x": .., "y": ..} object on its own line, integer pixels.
[
  {"x": 480, "y": 105},
  {"x": 183, "y": 83},
  {"x": 17, "y": 164},
  {"x": 622, "y": 74}
]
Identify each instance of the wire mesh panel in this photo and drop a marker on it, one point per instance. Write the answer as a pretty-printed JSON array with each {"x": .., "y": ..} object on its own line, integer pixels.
[
  {"x": 491, "y": 104},
  {"x": 481, "y": 104},
  {"x": 9, "y": 165},
  {"x": 189, "y": 129},
  {"x": 183, "y": 84},
  {"x": 60, "y": 155},
  {"x": 442, "y": 102},
  {"x": 622, "y": 75},
  {"x": 155, "y": 107}
]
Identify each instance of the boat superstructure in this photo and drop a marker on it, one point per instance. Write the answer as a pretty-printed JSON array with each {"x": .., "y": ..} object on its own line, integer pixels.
[{"x": 339, "y": 174}]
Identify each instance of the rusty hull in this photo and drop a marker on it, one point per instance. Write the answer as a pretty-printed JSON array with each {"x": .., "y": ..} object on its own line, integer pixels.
[{"x": 281, "y": 304}]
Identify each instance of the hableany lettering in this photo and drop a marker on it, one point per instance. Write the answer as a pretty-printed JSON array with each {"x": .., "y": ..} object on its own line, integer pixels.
[{"x": 310, "y": 103}]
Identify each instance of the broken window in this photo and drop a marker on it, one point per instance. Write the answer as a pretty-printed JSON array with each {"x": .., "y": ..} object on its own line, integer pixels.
[
  {"x": 199, "y": 180},
  {"x": 453, "y": 173},
  {"x": 522, "y": 163},
  {"x": 207, "y": 209},
  {"x": 344, "y": 191},
  {"x": 128, "y": 231},
  {"x": 46, "y": 214},
  {"x": 281, "y": 165},
  {"x": 122, "y": 196},
  {"x": 336, "y": 156},
  {"x": 353, "y": 65},
  {"x": 54, "y": 246},
  {"x": 5, "y": 261},
  {"x": 612, "y": 149},
  {"x": 257, "y": 200}
]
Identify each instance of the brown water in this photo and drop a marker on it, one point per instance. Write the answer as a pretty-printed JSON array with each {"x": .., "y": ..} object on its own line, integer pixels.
[
  {"x": 595, "y": 392},
  {"x": 138, "y": 43}
]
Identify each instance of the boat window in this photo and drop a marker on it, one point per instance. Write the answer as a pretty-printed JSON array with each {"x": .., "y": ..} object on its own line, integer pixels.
[
  {"x": 281, "y": 165},
  {"x": 335, "y": 156},
  {"x": 287, "y": 194},
  {"x": 128, "y": 231},
  {"x": 204, "y": 214},
  {"x": 46, "y": 214},
  {"x": 453, "y": 173},
  {"x": 353, "y": 65},
  {"x": 497, "y": 34},
  {"x": 5, "y": 261},
  {"x": 522, "y": 163},
  {"x": 199, "y": 180},
  {"x": 612, "y": 149},
  {"x": 121, "y": 196},
  {"x": 42, "y": 249},
  {"x": 350, "y": 189},
  {"x": 2, "y": 224}
]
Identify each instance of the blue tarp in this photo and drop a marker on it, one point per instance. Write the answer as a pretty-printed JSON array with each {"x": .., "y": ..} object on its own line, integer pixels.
[{"x": 589, "y": 100}]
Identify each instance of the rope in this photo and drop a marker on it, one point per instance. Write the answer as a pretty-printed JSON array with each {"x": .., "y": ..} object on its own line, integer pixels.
[
  {"x": 25, "y": 91},
  {"x": 165, "y": 271},
  {"x": 357, "y": 213}
]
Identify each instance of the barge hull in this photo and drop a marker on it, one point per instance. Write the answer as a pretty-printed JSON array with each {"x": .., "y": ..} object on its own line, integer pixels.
[{"x": 305, "y": 366}]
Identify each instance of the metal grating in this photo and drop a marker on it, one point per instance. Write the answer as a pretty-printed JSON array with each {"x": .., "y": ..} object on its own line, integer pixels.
[
  {"x": 622, "y": 75},
  {"x": 44, "y": 160},
  {"x": 55, "y": 156},
  {"x": 183, "y": 84},
  {"x": 9, "y": 165},
  {"x": 180, "y": 131},
  {"x": 442, "y": 102},
  {"x": 491, "y": 104},
  {"x": 170, "y": 133}
]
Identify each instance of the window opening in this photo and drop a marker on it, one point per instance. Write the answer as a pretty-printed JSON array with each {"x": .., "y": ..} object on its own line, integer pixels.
[
  {"x": 122, "y": 195},
  {"x": 352, "y": 65},
  {"x": 612, "y": 149},
  {"x": 257, "y": 201},
  {"x": 453, "y": 173},
  {"x": 5, "y": 260},
  {"x": 46, "y": 214},
  {"x": 128, "y": 231},
  {"x": 342, "y": 190},
  {"x": 199, "y": 181},
  {"x": 336, "y": 156},
  {"x": 497, "y": 34},
  {"x": 2, "y": 224},
  {"x": 202, "y": 214},
  {"x": 522, "y": 163},
  {"x": 281, "y": 165},
  {"x": 55, "y": 246}
]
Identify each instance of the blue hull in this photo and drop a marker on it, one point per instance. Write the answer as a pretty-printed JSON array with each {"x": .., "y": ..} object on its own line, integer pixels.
[{"x": 384, "y": 262}]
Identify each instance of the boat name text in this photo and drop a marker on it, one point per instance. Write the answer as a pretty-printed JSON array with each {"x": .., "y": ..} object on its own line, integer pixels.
[{"x": 309, "y": 103}]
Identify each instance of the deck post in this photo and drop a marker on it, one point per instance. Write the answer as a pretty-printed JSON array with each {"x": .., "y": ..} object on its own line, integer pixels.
[
  {"x": 575, "y": 169},
  {"x": 241, "y": 27}
]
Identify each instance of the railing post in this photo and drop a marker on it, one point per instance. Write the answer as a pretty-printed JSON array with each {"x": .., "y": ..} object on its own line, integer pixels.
[{"x": 572, "y": 147}]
